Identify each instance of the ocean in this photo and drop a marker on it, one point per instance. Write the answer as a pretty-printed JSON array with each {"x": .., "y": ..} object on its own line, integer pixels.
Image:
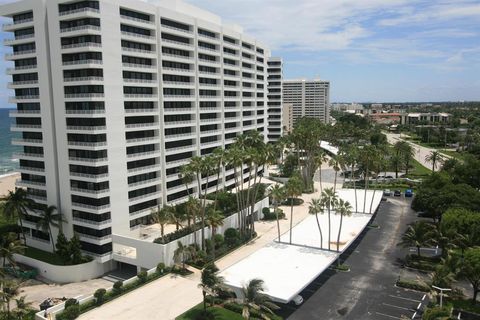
[{"x": 7, "y": 162}]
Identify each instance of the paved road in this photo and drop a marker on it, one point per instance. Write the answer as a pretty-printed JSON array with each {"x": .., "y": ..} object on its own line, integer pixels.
[
  {"x": 368, "y": 291},
  {"x": 420, "y": 151}
]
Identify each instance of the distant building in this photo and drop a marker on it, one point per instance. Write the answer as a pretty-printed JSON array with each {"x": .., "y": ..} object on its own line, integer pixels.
[
  {"x": 385, "y": 118},
  {"x": 274, "y": 110},
  {"x": 427, "y": 117},
  {"x": 287, "y": 118},
  {"x": 309, "y": 98},
  {"x": 348, "y": 108}
]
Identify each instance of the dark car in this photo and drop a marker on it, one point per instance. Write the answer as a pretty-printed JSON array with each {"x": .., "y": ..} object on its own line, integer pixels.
[
  {"x": 397, "y": 193},
  {"x": 409, "y": 193}
]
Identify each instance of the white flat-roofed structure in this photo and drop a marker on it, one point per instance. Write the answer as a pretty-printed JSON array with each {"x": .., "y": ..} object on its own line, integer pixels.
[
  {"x": 328, "y": 147},
  {"x": 303, "y": 260}
]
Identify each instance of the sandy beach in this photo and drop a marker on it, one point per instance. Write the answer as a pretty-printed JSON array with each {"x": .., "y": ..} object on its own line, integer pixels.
[{"x": 7, "y": 182}]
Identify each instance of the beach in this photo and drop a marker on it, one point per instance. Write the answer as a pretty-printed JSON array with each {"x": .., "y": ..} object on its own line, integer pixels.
[{"x": 7, "y": 182}]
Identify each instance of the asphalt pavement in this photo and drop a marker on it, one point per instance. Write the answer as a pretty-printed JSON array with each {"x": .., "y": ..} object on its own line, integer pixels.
[{"x": 368, "y": 291}]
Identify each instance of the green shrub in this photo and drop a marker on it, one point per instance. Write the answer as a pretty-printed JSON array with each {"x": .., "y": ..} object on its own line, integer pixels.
[
  {"x": 160, "y": 268},
  {"x": 271, "y": 215},
  {"x": 219, "y": 240},
  {"x": 117, "y": 286},
  {"x": 436, "y": 313},
  {"x": 208, "y": 245},
  {"x": 232, "y": 237},
  {"x": 266, "y": 211},
  {"x": 100, "y": 295},
  {"x": 142, "y": 276},
  {"x": 414, "y": 285},
  {"x": 70, "y": 313}
]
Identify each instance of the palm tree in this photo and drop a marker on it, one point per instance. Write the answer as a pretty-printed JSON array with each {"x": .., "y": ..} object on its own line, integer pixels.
[
  {"x": 218, "y": 158},
  {"x": 418, "y": 234},
  {"x": 343, "y": 208},
  {"x": 214, "y": 220},
  {"x": 335, "y": 163},
  {"x": 177, "y": 216},
  {"x": 210, "y": 283},
  {"x": 465, "y": 241},
  {"x": 253, "y": 299},
  {"x": 15, "y": 205},
  {"x": 316, "y": 207},
  {"x": 278, "y": 195},
  {"x": 9, "y": 290},
  {"x": 49, "y": 218},
  {"x": 9, "y": 246},
  {"x": 293, "y": 189},
  {"x": 181, "y": 254},
  {"x": 329, "y": 200},
  {"x": 434, "y": 157},
  {"x": 23, "y": 308},
  {"x": 367, "y": 156},
  {"x": 162, "y": 216},
  {"x": 187, "y": 175},
  {"x": 351, "y": 155},
  {"x": 319, "y": 159}
]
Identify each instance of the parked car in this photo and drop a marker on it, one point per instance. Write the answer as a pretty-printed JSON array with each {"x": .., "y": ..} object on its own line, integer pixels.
[
  {"x": 387, "y": 192},
  {"x": 298, "y": 300},
  {"x": 409, "y": 193},
  {"x": 397, "y": 193}
]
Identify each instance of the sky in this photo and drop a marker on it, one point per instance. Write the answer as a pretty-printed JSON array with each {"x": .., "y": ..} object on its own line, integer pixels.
[{"x": 370, "y": 50}]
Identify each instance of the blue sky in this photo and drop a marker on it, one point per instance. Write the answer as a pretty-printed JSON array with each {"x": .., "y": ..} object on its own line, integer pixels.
[{"x": 370, "y": 50}]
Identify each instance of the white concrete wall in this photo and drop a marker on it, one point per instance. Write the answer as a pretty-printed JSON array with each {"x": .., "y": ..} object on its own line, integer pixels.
[
  {"x": 149, "y": 254},
  {"x": 67, "y": 274}
]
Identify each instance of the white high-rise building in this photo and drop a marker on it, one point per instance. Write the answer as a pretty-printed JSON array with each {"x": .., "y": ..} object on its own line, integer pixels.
[
  {"x": 114, "y": 96},
  {"x": 309, "y": 98},
  {"x": 275, "y": 78}
]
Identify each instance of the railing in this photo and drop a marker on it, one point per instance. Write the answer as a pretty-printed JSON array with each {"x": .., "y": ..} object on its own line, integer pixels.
[
  {"x": 137, "y": 65},
  {"x": 146, "y": 168},
  {"x": 136, "y": 19},
  {"x": 91, "y": 128},
  {"x": 179, "y": 83},
  {"x": 33, "y": 183},
  {"x": 176, "y": 162},
  {"x": 20, "y": 83},
  {"x": 91, "y": 176},
  {"x": 6, "y": 25},
  {"x": 97, "y": 223},
  {"x": 82, "y": 45},
  {"x": 25, "y": 126},
  {"x": 138, "y": 183},
  {"x": 141, "y": 110},
  {"x": 208, "y": 49},
  {"x": 140, "y": 95},
  {"x": 138, "y": 35},
  {"x": 180, "y": 96},
  {"x": 89, "y": 191},
  {"x": 143, "y": 196},
  {"x": 31, "y": 169},
  {"x": 26, "y": 154},
  {"x": 177, "y": 56},
  {"x": 33, "y": 66},
  {"x": 87, "y": 61},
  {"x": 94, "y": 237},
  {"x": 18, "y": 53},
  {"x": 64, "y": 13},
  {"x": 177, "y": 69},
  {"x": 84, "y": 95},
  {"x": 23, "y": 37},
  {"x": 99, "y": 111},
  {"x": 86, "y": 27},
  {"x": 138, "y": 50},
  {"x": 181, "y": 135},
  {"x": 140, "y": 125},
  {"x": 88, "y": 159},
  {"x": 186, "y": 110},
  {"x": 176, "y": 29},
  {"x": 177, "y": 42},
  {"x": 36, "y": 141},
  {"x": 87, "y": 206},
  {"x": 139, "y": 80},
  {"x": 176, "y": 123},
  {"x": 142, "y": 154},
  {"x": 87, "y": 144},
  {"x": 142, "y": 139},
  {"x": 16, "y": 112}
]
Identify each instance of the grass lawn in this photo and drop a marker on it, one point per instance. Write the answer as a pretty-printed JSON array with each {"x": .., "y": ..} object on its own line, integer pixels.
[
  {"x": 418, "y": 170},
  {"x": 44, "y": 256},
  {"x": 219, "y": 313},
  {"x": 466, "y": 305}
]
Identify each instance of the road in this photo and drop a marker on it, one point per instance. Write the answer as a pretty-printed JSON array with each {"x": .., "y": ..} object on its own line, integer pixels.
[
  {"x": 420, "y": 151},
  {"x": 367, "y": 291}
]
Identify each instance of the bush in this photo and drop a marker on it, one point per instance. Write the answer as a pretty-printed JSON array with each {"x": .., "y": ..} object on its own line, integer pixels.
[
  {"x": 414, "y": 285},
  {"x": 70, "y": 313},
  {"x": 142, "y": 276},
  {"x": 70, "y": 302},
  {"x": 118, "y": 286},
  {"x": 205, "y": 315},
  {"x": 208, "y": 245},
  {"x": 268, "y": 216},
  {"x": 266, "y": 211},
  {"x": 436, "y": 313},
  {"x": 219, "y": 240},
  {"x": 160, "y": 268},
  {"x": 100, "y": 295},
  {"x": 232, "y": 237}
]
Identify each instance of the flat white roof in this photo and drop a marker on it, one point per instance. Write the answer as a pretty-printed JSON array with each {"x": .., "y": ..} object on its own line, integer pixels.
[
  {"x": 327, "y": 146},
  {"x": 287, "y": 269}
]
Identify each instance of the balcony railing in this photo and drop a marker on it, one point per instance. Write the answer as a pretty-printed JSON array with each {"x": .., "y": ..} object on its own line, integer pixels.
[
  {"x": 87, "y": 61},
  {"x": 93, "y": 10},
  {"x": 137, "y": 35},
  {"x": 19, "y": 53},
  {"x": 136, "y": 19},
  {"x": 81, "y": 45},
  {"x": 86, "y": 27}
]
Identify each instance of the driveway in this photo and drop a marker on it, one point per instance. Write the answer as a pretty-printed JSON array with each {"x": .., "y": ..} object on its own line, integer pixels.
[{"x": 367, "y": 291}]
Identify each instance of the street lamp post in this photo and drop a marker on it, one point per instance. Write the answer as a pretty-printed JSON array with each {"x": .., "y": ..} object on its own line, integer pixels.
[{"x": 441, "y": 293}]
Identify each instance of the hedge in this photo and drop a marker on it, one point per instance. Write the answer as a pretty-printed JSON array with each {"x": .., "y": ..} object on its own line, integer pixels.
[{"x": 414, "y": 285}]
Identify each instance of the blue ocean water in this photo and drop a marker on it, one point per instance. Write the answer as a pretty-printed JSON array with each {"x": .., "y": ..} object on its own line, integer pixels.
[{"x": 7, "y": 162}]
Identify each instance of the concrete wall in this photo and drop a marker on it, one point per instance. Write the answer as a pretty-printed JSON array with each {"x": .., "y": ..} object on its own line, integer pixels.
[
  {"x": 67, "y": 274},
  {"x": 147, "y": 255}
]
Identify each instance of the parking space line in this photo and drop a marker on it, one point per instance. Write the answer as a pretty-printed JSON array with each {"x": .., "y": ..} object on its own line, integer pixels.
[
  {"x": 386, "y": 315},
  {"x": 394, "y": 306},
  {"x": 398, "y": 297}
]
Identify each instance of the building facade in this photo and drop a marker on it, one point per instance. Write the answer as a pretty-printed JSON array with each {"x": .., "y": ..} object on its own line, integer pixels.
[
  {"x": 309, "y": 98},
  {"x": 114, "y": 96},
  {"x": 274, "y": 111}
]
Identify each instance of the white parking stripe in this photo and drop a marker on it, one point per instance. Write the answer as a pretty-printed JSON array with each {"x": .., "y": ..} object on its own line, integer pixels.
[{"x": 403, "y": 298}]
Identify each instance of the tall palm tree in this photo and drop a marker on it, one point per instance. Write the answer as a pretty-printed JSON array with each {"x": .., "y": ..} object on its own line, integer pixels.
[
  {"x": 316, "y": 207},
  {"x": 181, "y": 254},
  {"x": 50, "y": 217},
  {"x": 335, "y": 164},
  {"x": 23, "y": 308},
  {"x": 278, "y": 195},
  {"x": 329, "y": 200},
  {"x": 351, "y": 156},
  {"x": 9, "y": 290},
  {"x": 210, "y": 282},
  {"x": 254, "y": 299},
  {"x": 187, "y": 175},
  {"x": 9, "y": 246},
  {"x": 435, "y": 158},
  {"x": 343, "y": 208},
  {"x": 15, "y": 205},
  {"x": 162, "y": 216},
  {"x": 293, "y": 189},
  {"x": 367, "y": 156},
  {"x": 319, "y": 159},
  {"x": 418, "y": 234},
  {"x": 234, "y": 158},
  {"x": 214, "y": 220},
  {"x": 219, "y": 159}
]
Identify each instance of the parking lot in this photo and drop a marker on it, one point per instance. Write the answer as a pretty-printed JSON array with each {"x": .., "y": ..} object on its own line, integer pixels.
[{"x": 400, "y": 303}]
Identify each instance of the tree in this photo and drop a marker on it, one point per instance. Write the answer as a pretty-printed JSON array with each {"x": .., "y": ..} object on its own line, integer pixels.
[
  {"x": 470, "y": 270},
  {"x": 343, "y": 208},
  {"x": 75, "y": 248},
  {"x": 319, "y": 158},
  {"x": 316, "y": 207},
  {"x": 278, "y": 195},
  {"x": 219, "y": 159},
  {"x": 210, "y": 283},
  {"x": 335, "y": 164},
  {"x": 192, "y": 207},
  {"x": 293, "y": 189},
  {"x": 181, "y": 254},
  {"x": 367, "y": 157},
  {"x": 214, "y": 220},
  {"x": 162, "y": 216},
  {"x": 9, "y": 290},
  {"x": 15, "y": 206},
  {"x": 48, "y": 218},
  {"x": 63, "y": 248},
  {"x": 9, "y": 246},
  {"x": 418, "y": 234},
  {"x": 435, "y": 158},
  {"x": 254, "y": 299},
  {"x": 23, "y": 308},
  {"x": 329, "y": 200}
]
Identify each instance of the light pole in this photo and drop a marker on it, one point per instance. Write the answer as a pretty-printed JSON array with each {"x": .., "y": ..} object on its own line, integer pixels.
[{"x": 441, "y": 293}]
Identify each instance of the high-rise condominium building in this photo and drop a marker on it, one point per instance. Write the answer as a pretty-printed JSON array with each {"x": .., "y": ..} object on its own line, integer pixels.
[
  {"x": 309, "y": 98},
  {"x": 114, "y": 96},
  {"x": 274, "y": 112}
]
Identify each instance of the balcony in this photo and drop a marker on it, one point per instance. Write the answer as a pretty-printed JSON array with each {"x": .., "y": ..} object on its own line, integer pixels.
[
  {"x": 90, "y": 222},
  {"x": 87, "y": 128},
  {"x": 19, "y": 39},
  {"x": 142, "y": 125},
  {"x": 24, "y": 142},
  {"x": 142, "y": 140},
  {"x": 89, "y": 160},
  {"x": 130, "y": 96},
  {"x": 181, "y": 149},
  {"x": 82, "y": 45},
  {"x": 31, "y": 169},
  {"x": 19, "y": 113},
  {"x": 141, "y": 183},
  {"x": 88, "y": 145},
  {"x": 81, "y": 28},
  {"x": 149, "y": 23},
  {"x": 183, "y": 123},
  {"x": 144, "y": 169},
  {"x": 140, "y": 81},
  {"x": 80, "y": 12},
  {"x": 82, "y": 62},
  {"x": 85, "y": 112},
  {"x": 146, "y": 154},
  {"x": 173, "y": 137},
  {"x": 89, "y": 192},
  {"x": 21, "y": 84},
  {"x": 25, "y": 155},
  {"x": 90, "y": 177},
  {"x": 138, "y": 66},
  {"x": 90, "y": 207},
  {"x": 136, "y": 36},
  {"x": 21, "y": 69},
  {"x": 84, "y": 95},
  {"x": 177, "y": 43},
  {"x": 18, "y": 24},
  {"x": 142, "y": 111},
  {"x": 30, "y": 184},
  {"x": 20, "y": 54},
  {"x": 141, "y": 53},
  {"x": 25, "y": 127}
]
